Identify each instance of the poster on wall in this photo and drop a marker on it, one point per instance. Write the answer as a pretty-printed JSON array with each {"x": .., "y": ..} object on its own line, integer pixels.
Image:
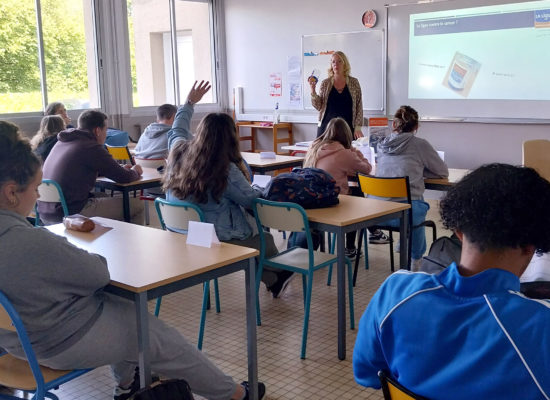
[
  {"x": 275, "y": 84},
  {"x": 294, "y": 81}
]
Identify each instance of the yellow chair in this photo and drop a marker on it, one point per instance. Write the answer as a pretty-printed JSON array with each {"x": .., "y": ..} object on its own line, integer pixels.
[
  {"x": 536, "y": 154},
  {"x": 27, "y": 375},
  {"x": 394, "y": 391},
  {"x": 395, "y": 188},
  {"x": 121, "y": 154}
]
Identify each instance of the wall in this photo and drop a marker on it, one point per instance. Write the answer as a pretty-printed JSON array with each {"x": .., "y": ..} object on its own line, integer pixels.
[{"x": 262, "y": 33}]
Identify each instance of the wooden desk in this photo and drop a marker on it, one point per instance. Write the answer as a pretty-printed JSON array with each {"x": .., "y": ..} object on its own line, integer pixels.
[
  {"x": 352, "y": 214},
  {"x": 274, "y": 128},
  {"x": 151, "y": 178},
  {"x": 145, "y": 263},
  {"x": 445, "y": 183},
  {"x": 261, "y": 166}
]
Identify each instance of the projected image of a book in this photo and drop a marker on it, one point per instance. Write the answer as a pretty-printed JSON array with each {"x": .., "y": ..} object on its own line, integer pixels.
[{"x": 461, "y": 74}]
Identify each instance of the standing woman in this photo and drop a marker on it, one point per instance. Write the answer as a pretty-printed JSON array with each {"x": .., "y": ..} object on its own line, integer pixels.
[
  {"x": 207, "y": 171},
  {"x": 339, "y": 96},
  {"x": 46, "y": 137},
  {"x": 333, "y": 153},
  {"x": 404, "y": 154}
]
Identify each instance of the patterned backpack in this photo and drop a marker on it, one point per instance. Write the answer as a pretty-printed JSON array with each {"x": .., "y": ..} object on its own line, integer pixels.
[{"x": 308, "y": 187}]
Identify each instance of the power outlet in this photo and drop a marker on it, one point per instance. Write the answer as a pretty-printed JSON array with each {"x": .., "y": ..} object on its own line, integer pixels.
[{"x": 267, "y": 118}]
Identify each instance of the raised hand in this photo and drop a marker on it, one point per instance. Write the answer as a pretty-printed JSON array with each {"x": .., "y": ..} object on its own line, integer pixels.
[{"x": 196, "y": 92}]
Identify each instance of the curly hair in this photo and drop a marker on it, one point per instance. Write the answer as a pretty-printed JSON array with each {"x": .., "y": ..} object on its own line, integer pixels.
[
  {"x": 17, "y": 162},
  {"x": 337, "y": 131},
  {"x": 500, "y": 206},
  {"x": 200, "y": 167},
  {"x": 405, "y": 119}
]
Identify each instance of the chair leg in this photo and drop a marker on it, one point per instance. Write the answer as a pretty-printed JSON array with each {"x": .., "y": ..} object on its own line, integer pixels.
[
  {"x": 350, "y": 296},
  {"x": 304, "y": 288},
  {"x": 361, "y": 233},
  {"x": 306, "y": 315},
  {"x": 366, "y": 247},
  {"x": 205, "y": 296},
  {"x": 217, "y": 295},
  {"x": 157, "y": 307},
  {"x": 146, "y": 212},
  {"x": 332, "y": 246},
  {"x": 329, "y": 277},
  {"x": 258, "y": 279},
  {"x": 391, "y": 252}
]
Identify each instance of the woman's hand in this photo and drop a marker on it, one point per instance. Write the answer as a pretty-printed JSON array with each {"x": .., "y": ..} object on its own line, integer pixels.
[
  {"x": 312, "y": 83},
  {"x": 196, "y": 93},
  {"x": 358, "y": 134}
]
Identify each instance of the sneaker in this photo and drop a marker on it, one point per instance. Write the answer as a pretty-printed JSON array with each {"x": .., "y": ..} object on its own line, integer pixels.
[
  {"x": 351, "y": 253},
  {"x": 121, "y": 393},
  {"x": 378, "y": 237},
  {"x": 280, "y": 286},
  {"x": 261, "y": 390}
]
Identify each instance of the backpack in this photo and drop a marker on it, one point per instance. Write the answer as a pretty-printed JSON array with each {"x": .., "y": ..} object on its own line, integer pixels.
[
  {"x": 443, "y": 252},
  {"x": 308, "y": 187},
  {"x": 173, "y": 389}
]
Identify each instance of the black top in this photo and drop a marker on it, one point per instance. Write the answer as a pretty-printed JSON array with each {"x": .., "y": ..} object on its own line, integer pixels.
[
  {"x": 44, "y": 148},
  {"x": 338, "y": 105}
]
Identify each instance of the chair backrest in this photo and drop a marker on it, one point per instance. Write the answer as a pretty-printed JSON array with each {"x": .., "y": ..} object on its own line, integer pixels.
[
  {"x": 385, "y": 187},
  {"x": 536, "y": 154},
  {"x": 51, "y": 192},
  {"x": 394, "y": 391},
  {"x": 175, "y": 216},
  {"x": 151, "y": 162},
  {"x": 121, "y": 154},
  {"x": 283, "y": 216},
  {"x": 10, "y": 320}
]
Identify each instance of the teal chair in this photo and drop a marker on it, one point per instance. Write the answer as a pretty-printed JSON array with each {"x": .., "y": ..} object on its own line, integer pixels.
[
  {"x": 175, "y": 217},
  {"x": 27, "y": 375},
  {"x": 292, "y": 217},
  {"x": 50, "y": 192}
]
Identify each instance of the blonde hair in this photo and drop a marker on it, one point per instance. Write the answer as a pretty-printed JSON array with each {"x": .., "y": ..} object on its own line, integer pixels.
[
  {"x": 50, "y": 125},
  {"x": 347, "y": 66},
  {"x": 337, "y": 130}
]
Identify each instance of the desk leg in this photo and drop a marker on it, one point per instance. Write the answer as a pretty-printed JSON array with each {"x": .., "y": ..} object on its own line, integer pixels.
[
  {"x": 142, "y": 315},
  {"x": 250, "y": 283},
  {"x": 341, "y": 273},
  {"x": 403, "y": 240},
  {"x": 126, "y": 205},
  {"x": 275, "y": 139}
]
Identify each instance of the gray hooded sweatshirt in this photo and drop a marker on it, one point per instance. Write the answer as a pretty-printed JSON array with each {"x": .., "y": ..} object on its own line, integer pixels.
[
  {"x": 56, "y": 287},
  {"x": 153, "y": 142},
  {"x": 404, "y": 154}
]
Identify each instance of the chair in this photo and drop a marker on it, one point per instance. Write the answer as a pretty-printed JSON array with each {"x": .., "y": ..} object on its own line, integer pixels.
[
  {"x": 292, "y": 217},
  {"x": 175, "y": 217},
  {"x": 536, "y": 154},
  {"x": 50, "y": 192},
  {"x": 394, "y": 391},
  {"x": 149, "y": 195},
  {"x": 27, "y": 375},
  {"x": 391, "y": 187},
  {"x": 121, "y": 154}
]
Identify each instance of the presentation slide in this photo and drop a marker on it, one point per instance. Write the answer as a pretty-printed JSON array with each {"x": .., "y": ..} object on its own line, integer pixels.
[{"x": 499, "y": 52}]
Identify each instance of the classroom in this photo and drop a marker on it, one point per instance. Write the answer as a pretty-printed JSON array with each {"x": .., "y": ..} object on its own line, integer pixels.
[{"x": 118, "y": 57}]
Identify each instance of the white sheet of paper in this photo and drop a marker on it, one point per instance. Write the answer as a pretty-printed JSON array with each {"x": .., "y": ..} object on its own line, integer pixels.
[
  {"x": 261, "y": 180},
  {"x": 201, "y": 234},
  {"x": 267, "y": 154}
]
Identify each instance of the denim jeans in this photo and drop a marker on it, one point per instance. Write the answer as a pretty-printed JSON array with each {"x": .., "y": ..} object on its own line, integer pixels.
[{"x": 419, "y": 210}]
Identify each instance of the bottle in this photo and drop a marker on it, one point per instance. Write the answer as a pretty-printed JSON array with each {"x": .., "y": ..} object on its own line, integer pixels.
[{"x": 276, "y": 117}]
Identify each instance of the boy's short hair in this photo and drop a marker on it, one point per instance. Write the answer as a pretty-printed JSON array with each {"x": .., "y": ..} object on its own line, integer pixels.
[
  {"x": 91, "y": 119},
  {"x": 500, "y": 206},
  {"x": 166, "y": 111}
]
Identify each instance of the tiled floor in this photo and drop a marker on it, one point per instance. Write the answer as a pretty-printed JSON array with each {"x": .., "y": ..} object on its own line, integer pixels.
[{"x": 320, "y": 376}]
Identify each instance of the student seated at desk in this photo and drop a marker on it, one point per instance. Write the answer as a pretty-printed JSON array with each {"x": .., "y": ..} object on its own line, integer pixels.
[
  {"x": 75, "y": 162},
  {"x": 208, "y": 171},
  {"x": 57, "y": 108},
  {"x": 468, "y": 332},
  {"x": 153, "y": 142},
  {"x": 46, "y": 137},
  {"x": 404, "y": 154},
  {"x": 333, "y": 153},
  {"x": 71, "y": 322}
]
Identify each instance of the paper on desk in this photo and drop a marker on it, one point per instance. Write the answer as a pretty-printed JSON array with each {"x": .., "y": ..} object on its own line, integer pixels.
[
  {"x": 304, "y": 144},
  {"x": 201, "y": 234},
  {"x": 267, "y": 154},
  {"x": 261, "y": 180}
]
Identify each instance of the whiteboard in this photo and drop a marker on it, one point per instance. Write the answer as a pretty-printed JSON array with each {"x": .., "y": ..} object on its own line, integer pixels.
[{"x": 366, "y": 53}]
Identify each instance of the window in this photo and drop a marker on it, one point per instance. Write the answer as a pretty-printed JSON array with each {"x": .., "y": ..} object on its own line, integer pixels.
[
  {"x": 152, "y": 54},
  {"x": 63, "y": 43}
]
